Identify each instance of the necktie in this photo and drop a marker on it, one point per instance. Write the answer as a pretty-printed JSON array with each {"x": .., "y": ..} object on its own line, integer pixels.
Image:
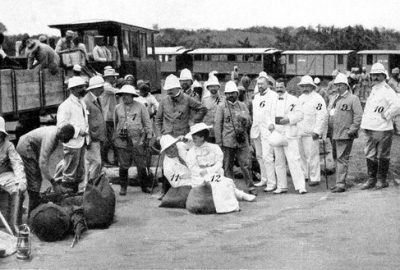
[
  {"x": 281, "y": 98},
  {"x": 336, "y": 100},
  {"x": 99, "y": 104}
]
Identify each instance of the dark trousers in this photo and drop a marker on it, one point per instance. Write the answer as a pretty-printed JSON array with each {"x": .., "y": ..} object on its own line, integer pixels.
[
  {"x": 242, "y": 156},
  {"x": 108, "y": 144}
]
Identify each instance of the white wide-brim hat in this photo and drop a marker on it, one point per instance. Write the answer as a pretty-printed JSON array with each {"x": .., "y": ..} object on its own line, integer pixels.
[
  {"x": 95, "y": 82},
  {"x": 167, "y": 141},
  {"x": 75, "y": 81},
  {"x": 307, "y": 80},
  {"x": 198, "y": 127},
  {"x": 171, "y": 82},
  {"x": 127, "y": 89}
]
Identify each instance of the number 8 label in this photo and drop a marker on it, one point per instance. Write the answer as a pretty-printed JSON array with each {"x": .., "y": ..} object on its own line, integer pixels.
[{"x": 319, "y": 106}]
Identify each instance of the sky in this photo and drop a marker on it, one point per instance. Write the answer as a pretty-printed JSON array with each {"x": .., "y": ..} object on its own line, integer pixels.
[{"x": 33, "y": 16}]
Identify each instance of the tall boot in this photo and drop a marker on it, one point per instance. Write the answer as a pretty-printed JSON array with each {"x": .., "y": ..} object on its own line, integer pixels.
[
  {"x": 143, "y": 180},
  {"x": 34, "y": 201},
  {"x": 383, "y": 168},
  {"x": 372, "y": 167},
  {"x": 164, "y": 187},
  {"x": 123, "y": 180}
]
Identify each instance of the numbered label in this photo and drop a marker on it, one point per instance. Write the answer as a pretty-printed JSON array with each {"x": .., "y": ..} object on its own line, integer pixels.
[
  {"x": 319, "y": 106},
  {"x": 228, "y": 119},
  {"x": 262, "y": 104},
  {"x": 345, "y": 107},
  {"x": 379, "y": 109},
  {"x": 216, "y": 178},
  {"x": 175, "y": 178},
  {"x": 291, "y": 107}
]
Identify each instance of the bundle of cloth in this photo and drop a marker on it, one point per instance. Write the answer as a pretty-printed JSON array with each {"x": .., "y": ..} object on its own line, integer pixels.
[{"x": 195, "y": 172}]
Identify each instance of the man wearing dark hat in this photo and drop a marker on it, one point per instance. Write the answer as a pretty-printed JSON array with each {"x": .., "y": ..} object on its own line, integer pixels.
[
  {"x": 100, "y": 51},
  {"x": 44, "y": 55}
]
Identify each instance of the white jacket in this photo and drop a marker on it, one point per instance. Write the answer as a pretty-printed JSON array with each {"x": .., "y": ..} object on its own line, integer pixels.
[
  {"x": 288, "y": 107},
  {"x": 315, "y": 115},
  {"x": 382, "y": 105},
  {"x": 263, "y": 113},
  {"x": 73, "y": 111}
]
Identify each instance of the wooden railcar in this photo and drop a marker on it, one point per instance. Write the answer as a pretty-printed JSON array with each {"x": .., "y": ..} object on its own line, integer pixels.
[
  {"x": 172, "y": 59},
  {"x": 389, "y": 58},
  {"x": 248, "y": 60},
  {"x": 132, "y": 42},
  {"x": 318, "y": 62}
]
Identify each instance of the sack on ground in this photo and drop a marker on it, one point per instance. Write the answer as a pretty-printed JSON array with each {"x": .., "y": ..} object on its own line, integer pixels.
[
  {"x": 50, "y": 222},
  {"x": 200, "y": 200},
  {"x": 99, "y": 203},
  {"x": 223, "y": 191},
  {"x": 176, "y": 197}
]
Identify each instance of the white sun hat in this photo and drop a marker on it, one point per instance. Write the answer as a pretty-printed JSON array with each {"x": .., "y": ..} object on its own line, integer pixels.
[
  {"x": 198, "y": 127},
  {"x": 167, "y": 141},
  {"x": 341, "y": 78},
  {"x": 231, "y": 87},
  {"x": 127, "y": 89},
  {"x": 95, "y": 82},
  {"x": 307, "y": 80},
  {"x": 276, "y": 139},
  {"x": 317, "y": 80},
  {"x": 185, "y": 75},
  {"x": 171, "y": 82},
  {"x": 75, "y": 81},
  {"x": 378, "y": 68},
  {"x": 77, "y": 68},
  {"x": 3, "y": 126},
  {"x": 212, "y": 80}
]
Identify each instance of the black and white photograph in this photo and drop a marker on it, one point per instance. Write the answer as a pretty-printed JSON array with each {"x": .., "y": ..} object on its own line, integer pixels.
[{"x": 204, "y": 134}]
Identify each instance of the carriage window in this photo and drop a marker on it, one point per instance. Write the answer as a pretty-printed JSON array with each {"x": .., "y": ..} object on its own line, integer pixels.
[
  {"x": 135, "y": 50},
  {"x": 198, "y": 57},
  {"x": 257, "y": 57},
  {"x": 207, "y": 57},
  {"x": 291, "y": 59},
  {"x": 214, "y": 57},
  {"x": 239, "y": 58},
  {"x": 125, "y": 43},
  {"x": 340, "y": 59},
  {"x": 369, "y": 59},
  {"x": 223, "y": 58},
  {"x": 231, "y": 57},
  {"x": 88, "y": 39},
  {"x": 143, "y": 45}
]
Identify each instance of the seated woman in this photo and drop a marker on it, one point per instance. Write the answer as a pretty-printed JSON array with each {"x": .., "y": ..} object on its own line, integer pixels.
[{"x": 203, "y": 161}]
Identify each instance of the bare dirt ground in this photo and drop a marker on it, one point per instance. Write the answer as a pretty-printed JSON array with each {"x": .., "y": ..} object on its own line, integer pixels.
[{"x": 319, "y": 230}]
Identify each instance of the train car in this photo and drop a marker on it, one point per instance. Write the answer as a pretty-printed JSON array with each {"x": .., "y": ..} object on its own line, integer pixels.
[
  {"x": 248, "y": 60},
  {"x": 318, "y": 63},
  {"x": 389, "y": 58},
  {"x": 172, "y": 59},
  {"x": 132, "y": 42}
]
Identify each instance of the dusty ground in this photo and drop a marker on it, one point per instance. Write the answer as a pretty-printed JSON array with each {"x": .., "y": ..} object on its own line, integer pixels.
[{"x": 319, "y": 230}]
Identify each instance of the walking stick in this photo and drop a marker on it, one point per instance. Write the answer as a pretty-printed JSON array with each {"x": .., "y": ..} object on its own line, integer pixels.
[
  {"x": 155, "y": 174},
  {"x": 326, "y": 175}
]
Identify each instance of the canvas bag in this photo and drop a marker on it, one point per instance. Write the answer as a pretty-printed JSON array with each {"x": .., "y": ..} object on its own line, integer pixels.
[{"x": 99, "y": 203}]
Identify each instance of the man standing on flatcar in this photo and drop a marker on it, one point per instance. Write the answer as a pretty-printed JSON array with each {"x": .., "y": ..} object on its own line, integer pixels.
[{"x": 377, "y": 121}]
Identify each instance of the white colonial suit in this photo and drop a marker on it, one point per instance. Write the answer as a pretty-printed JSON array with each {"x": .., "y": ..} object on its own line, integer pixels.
[{"x": 287, "y": 106}]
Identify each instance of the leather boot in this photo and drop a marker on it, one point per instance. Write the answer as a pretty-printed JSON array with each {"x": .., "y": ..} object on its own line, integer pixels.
[
  {"x": 372, "y": 167},
  {"x": 144, "y": 180},
  {"x": 383, "y": 168},
  {"x": 123, "y": 180},
  {"x": 34, "y": 201}
]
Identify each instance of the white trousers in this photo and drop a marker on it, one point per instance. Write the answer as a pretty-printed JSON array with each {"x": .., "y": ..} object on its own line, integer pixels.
[
  {"x": 292, "y": 155},
  {"x": 93, "y": 161},
  {"x": 260, "y": 159},
  {"x": 309, "y": 152},
  {"x": 268, "y": 158}
]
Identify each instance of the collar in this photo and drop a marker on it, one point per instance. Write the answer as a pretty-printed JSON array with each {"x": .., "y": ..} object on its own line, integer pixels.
[
  {"x": 264, "y": 93},
  {"x": 178, "y": 98},
  {"x": 93, "y": 95},
  {"x": 283, "y": 97},
  {"x": 75, "y": 99},
  {"x": 345, "y": 94}
]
